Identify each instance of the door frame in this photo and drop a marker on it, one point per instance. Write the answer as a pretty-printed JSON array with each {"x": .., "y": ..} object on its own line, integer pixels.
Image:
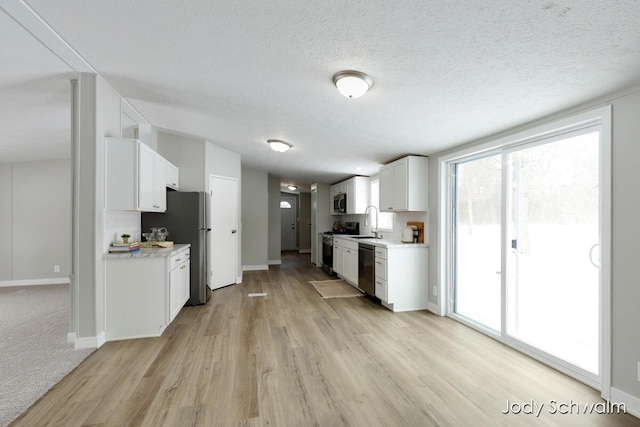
[
  {"x": 596, "y": 117},
  {"x": 296, "y": 219}
]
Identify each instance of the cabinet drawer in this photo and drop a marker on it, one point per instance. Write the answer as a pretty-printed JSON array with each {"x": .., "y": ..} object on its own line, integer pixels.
[
  {"x": 179, "y": 258},
  {"x": 350, "y": 245},
  {"x": 381, "y": 252},
  {"x": 381, "y": 289},
  {"x": 381, "y": 268}
]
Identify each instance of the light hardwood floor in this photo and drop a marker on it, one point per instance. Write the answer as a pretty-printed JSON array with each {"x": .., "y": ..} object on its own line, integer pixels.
[{"x": 295, "y": 359}]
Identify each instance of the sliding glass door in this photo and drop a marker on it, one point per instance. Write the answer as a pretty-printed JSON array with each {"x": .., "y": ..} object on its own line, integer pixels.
[
  {"x": 552, "y": 291},
  {"x": 477, "y": 219},
  {"x": 524, "y": 246}
]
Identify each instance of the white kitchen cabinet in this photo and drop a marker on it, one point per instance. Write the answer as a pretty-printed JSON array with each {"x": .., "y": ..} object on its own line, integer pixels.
[
  {"x": 160, "y": 184},
  {"x": 358, "y": 194},
  {"x": 345, "y": 258},
  {"x": 337, "y": 256},
  {"x": 350, "y": 265},
  {"x": 357, "y": 190},
  {"x": 135, "y": 176},
  {"x": 178, "y": 283},
  {"x": 403, "y": 185},
  {"x": 143, "y": 294},
  {"x": 401, "y": 277},
  {"x": 173, "y": 176}
]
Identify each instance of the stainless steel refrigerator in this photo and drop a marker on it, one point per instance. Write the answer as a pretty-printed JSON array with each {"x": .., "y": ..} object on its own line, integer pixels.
[{"x": 186, "y": 220}]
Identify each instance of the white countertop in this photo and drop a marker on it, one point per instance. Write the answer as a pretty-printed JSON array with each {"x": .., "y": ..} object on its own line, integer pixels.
[
  {"x": 150, "y": 253},
  {"x": 383, "y": 243}
]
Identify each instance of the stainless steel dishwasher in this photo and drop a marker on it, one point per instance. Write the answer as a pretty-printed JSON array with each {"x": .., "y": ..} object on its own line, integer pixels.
[{"x": 366, "y": 269}]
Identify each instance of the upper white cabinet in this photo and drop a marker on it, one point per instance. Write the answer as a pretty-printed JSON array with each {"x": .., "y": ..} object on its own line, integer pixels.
[
  {"x": 357, "y": 190},
  {"x": 135, "y": 176},
  {"x": 173, "y": 176},
  {"x": 403, "y": 185}
]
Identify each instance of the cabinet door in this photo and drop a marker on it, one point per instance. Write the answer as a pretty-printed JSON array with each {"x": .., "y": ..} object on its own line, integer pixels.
[
  {"x": 173, "y": 176},
  {"x": 400, "y": 191},
  {"x": 146, "y": 178},
  {"x": 174, "y": 292},
  {"x": 386, "y": 188},
  {"x": 337, "y": 259},
  {"x": 350, "y": 265},
  {"x": 350, "y": 190},
  {"x": 160, "y": 184},
  {"x": 185, "y": 283}
]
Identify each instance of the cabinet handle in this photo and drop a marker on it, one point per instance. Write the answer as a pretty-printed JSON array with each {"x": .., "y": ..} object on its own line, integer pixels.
[
  {"x": 378, "y": 262},
  {"x": 179, "y": 259}
]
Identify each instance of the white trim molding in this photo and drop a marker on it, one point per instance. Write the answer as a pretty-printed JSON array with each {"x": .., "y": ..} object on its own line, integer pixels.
[
  {"x": 89, "y": 342},
  {"x": 255, "y": 267},
  {"x": 304, "y": 251},
  {"x": 632, "y": 403},
  {"x": 35, "y": 282},
  {"x": 274, "y": 262}
]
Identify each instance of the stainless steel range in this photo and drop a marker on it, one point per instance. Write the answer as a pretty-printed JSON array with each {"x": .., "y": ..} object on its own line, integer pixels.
[{"x": 351, "y": 228}]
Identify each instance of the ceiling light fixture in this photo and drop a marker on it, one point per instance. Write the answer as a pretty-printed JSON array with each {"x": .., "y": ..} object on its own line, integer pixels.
[
  {"x": 292, "y": 187},
  {"x": 352, "y": 84},
  {"x": 278, "y": 145}
]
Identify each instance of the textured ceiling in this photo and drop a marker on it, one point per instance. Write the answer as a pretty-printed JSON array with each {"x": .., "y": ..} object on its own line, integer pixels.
[{"x": 238, "y": 73}]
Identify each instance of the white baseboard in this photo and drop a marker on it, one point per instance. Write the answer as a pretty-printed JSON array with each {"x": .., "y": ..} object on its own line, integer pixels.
[
  {"x": 255, "y": 267},
  {"x": 274, "y": 262},
  {"x": 71, "y": 337},
  {"x": 35, "y": 282},
  {"x": 89, "y": 342},
  {"x": 304, "y": 251},
  {"x": 238, "y": 279},
  {"x": 631, "y": 403},
  {"x": 434, "y": 308}
]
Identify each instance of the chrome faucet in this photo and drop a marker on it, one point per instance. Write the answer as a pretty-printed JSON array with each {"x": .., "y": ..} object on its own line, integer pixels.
[{"x": 375, "y": 233}]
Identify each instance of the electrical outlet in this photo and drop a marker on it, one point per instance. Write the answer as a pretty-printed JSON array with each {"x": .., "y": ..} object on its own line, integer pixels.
[
  {"x": 435, "y": 291},
  {"x": 56, "y": 269}
]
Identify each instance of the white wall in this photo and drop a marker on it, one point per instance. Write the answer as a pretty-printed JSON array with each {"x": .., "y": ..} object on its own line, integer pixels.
[
  {"x": 625, "y": 233},
  {"x": 255, "y": 220},
  {"x": 35, "y": 220},
  {"x": 187, "y": 154},
  {"x": 275, "y": 237}
]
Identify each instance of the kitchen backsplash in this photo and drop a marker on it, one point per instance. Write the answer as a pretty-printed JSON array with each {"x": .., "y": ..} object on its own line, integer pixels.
[
  {"x": 117, "y": 223},
  {"x": 399, "y": 223}
]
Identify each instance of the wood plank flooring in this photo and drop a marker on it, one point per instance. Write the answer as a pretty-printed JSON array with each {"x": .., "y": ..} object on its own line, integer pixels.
[{"x": 294, "y": 359}]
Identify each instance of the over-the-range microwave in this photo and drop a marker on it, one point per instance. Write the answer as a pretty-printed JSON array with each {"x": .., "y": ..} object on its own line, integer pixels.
[{"x": 340, "y": 203}]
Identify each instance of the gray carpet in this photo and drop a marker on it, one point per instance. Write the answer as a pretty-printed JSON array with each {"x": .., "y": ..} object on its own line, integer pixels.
[{"x": 34, "y": 353}]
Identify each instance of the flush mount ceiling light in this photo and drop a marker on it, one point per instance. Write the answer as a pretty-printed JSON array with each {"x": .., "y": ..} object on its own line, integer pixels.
[
  {"x": 352, "y": 84},
  {"x": 278, "y": 145},
  {"x": 292, "y": 187}
]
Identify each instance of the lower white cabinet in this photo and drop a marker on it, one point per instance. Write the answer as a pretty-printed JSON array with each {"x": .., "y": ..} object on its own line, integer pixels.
[
  {"x": 178, "y": 283},
  {"x": 401, "y": 277},
  {"x": 345, "y": 257},
  {"x": 143, "y": 294}
]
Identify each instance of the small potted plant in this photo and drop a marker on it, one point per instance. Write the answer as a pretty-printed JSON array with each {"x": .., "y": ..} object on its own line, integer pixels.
[{"x": 125, "y": 237}]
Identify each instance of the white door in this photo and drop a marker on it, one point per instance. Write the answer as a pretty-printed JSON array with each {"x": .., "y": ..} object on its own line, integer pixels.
[
  {"x": 289, "y": 227},
  {"x": 224, "y": 231}
]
